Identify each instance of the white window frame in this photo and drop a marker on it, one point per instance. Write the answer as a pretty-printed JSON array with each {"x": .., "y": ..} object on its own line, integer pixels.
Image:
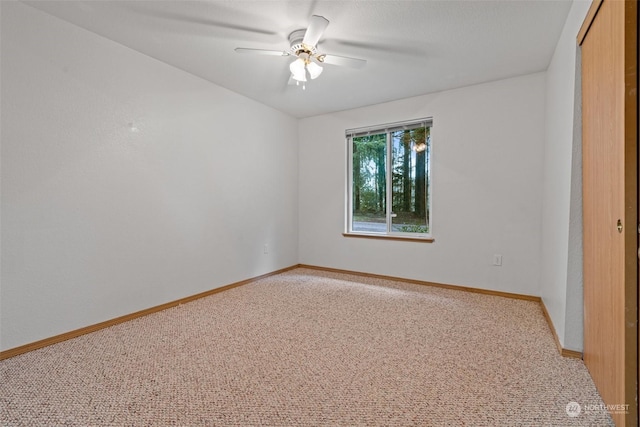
[{"x": 388, "y": 129}]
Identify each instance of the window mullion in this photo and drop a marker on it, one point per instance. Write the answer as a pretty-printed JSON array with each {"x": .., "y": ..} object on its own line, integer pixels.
[
  {"x": 389, "y": 182},
  {"x": 349, "y": 219}
]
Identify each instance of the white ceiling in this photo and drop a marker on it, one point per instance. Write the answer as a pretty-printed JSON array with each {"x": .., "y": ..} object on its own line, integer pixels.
[{"x": 412, "y": 47}]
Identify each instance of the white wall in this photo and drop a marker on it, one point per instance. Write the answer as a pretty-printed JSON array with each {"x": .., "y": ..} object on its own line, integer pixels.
[
  {"x": 487, "y": 188},
  {"x": 562, "y": 190},
  {"x": 99, "y": 221}
]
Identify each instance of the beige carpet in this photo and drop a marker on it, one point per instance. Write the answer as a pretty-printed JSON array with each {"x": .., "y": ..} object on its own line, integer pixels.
[{"x": 307, "y": 348}]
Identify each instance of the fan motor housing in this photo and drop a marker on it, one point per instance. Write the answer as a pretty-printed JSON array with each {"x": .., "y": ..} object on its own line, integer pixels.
[{"x": 297, "y": 47}]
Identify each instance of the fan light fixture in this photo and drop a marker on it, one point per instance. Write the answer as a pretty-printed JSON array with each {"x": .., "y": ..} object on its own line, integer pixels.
[
  {"x": 297, "y": 69},
  {"x": 301, "y": 66},
  {"x": 314, "y": 70}
]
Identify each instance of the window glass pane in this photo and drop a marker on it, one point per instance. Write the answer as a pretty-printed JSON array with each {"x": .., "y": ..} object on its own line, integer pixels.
[
  {"x": 390, "y": 180},
  {"x": 409, "y": 187},
  {"x": 369, "y": 192}
]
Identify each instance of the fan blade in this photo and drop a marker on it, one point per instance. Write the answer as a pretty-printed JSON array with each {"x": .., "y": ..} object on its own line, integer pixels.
[
  {"x": 316, "y": 27},
  {"x": 191, "y": 18},
  {"x": 262, "y": 51},
  {"x": 388, "y": 47},
  {"x": 343, "y": 61}
]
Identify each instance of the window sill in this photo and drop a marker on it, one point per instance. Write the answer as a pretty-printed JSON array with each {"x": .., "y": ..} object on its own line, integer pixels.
[{"x": 390, "y": 237}]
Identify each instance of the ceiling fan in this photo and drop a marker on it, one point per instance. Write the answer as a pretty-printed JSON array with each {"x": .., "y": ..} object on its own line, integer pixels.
[{"x": 303, "y": 45}]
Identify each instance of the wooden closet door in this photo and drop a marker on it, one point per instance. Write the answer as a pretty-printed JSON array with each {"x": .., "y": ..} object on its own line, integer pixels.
[{"x": 609, "y": 137}]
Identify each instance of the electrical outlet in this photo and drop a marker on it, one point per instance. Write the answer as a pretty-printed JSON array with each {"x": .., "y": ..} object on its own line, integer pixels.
[
  {"x": 265, "y": 249},
  {"x": 497, "y": 260}
]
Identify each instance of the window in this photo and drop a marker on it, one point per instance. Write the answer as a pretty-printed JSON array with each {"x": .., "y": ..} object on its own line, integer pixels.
[{"x": 389, "y": 188}]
